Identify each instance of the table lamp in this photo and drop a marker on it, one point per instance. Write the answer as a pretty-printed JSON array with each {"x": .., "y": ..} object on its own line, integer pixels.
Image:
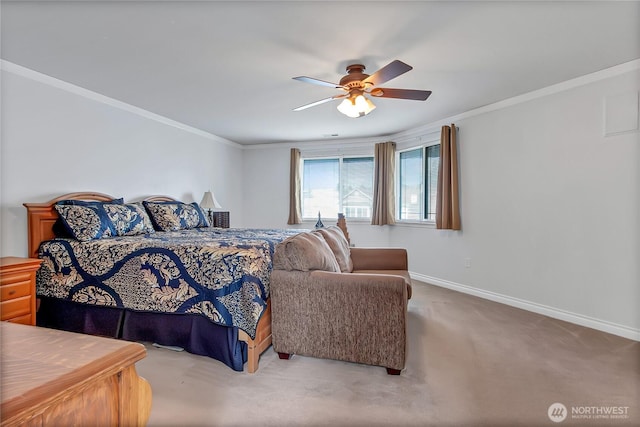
[{"x": 209, "y": 203}]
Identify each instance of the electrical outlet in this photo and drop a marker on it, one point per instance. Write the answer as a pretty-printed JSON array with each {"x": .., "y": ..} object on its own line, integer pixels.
[{"x": 467, "y": 262}]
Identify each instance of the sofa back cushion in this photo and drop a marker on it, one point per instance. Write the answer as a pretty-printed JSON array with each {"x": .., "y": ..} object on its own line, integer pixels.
[
  {"x": 305, "y": 252},
  {"x": 339, "y": 246}
]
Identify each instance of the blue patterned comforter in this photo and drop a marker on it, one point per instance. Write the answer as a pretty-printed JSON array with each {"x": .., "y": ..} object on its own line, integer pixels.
[{"x": 222, "y": 274}]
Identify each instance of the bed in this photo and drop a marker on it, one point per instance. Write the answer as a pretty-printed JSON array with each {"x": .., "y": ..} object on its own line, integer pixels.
[{"x": 203, "y": 289}]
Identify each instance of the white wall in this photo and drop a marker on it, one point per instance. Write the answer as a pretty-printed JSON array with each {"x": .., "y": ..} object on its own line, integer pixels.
[
  {"x": 57, "y": 139},
  {"x": 550, "y": 209},
  {"x": 266, "y": 193}
]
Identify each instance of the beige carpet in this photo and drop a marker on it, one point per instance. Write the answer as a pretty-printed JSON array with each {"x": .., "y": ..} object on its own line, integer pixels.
[{"x": 471, "y": 362}]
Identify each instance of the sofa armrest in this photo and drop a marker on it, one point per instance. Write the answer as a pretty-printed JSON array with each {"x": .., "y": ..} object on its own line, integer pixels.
[
  {"x": 348, "y": 289},
  {"x": 356, "y": 317},
  {"x": 379, "y": 259}
]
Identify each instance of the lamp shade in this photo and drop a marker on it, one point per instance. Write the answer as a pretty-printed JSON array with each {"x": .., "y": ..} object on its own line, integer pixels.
[
  {"x": 356, "y": 106},
  {"x": 209, "y": 201}
]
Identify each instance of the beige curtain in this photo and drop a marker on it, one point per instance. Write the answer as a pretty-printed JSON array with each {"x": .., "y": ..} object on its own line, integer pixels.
[
  {"x": 447, "y": 203},
  {"x": 384, "y": 204},
  {"x": 295, "y": 215}
]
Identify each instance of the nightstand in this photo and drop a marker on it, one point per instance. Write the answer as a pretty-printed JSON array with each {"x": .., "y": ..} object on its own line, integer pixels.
[
  {"x": 18, "y": 289},
  {"x": 220, "y": 219}
]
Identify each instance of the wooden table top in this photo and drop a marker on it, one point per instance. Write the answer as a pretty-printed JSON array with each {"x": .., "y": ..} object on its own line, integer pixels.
[
  {"x": 11, "y": 262},
  {"x": 37, "y": 363}
]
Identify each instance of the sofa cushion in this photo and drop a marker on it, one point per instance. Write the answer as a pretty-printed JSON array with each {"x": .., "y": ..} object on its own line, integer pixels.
[
  {"x": 339, "y": 246},
  {"x": 304, "y": 252},
  {"x": 402, "y": 273}
]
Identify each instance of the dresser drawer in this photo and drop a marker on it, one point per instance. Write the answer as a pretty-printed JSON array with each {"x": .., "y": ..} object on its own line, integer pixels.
[
  {"x": 15, "y": 290},
  {"x": 24, "y": 320},
  {"x": 13, "y": 277},
  {"x": 15, "y": 307}
]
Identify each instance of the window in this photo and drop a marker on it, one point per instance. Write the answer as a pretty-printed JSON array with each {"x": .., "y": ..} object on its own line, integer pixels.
[
  {"x": 410, "y": 184},
  {"x": 432, "y": 162},
  {"x": 334, "y": 185},
  {"x": 418, "y": 183}
]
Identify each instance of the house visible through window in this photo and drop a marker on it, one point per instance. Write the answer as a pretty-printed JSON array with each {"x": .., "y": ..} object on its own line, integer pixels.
[
  {"x": 334, "y": 185},
  {"x": 418, "y": 183}
]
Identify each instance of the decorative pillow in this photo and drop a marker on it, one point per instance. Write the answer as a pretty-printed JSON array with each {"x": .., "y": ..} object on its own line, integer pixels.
[
  {"x": 305, "y": 252},
  {"x": 129, "y": 219},
  {"x": 339, "y": 246},
  {"x": 172, "y": 216},
  {"x": 85, "y": 222},
  {"x": 60, "y": 229}
]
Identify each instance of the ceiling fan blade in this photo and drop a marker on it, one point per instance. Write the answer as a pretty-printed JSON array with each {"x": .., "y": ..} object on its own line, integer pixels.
[
  {"x": 317, "y": 82},
  {"x": 322, "y": 101},
  {"x": 416, "y": 95},
  {"x": 388, "y": 72}
]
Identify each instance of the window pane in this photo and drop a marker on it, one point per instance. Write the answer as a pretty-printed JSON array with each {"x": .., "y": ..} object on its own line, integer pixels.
[
  {"x": 431, "y": 174},
  {"x": 320, "y": 188},
  {"x": 410, "y": 184},
  {"x": 357, "y": 187}
]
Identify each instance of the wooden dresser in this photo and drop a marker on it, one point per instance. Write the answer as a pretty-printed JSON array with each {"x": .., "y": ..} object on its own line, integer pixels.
[
  {"x": 18, "y": 289},
  {"x": 58, "y": 378}
]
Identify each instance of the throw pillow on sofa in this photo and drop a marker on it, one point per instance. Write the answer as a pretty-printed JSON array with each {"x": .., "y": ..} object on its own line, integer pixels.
[
  {"x": 339, "y": 246},
  {"x": 305, "y": 252}
]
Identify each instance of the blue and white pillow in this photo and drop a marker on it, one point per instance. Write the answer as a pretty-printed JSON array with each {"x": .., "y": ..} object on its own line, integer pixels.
[
  {"x": 128, "y": 219},
  {"x": 173, "y": 216},
  {"x": 60, "y": 229},
  {"x": 85, "y": 222}
]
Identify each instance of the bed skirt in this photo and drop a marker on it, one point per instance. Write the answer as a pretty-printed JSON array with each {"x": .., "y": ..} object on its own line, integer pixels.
[{"x": 196, "y": 334}]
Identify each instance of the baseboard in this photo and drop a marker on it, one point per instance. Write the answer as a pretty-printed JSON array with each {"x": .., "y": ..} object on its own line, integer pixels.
[{"x": 556, "y": 313}]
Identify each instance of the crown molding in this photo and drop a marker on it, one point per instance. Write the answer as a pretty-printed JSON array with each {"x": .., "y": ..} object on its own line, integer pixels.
[
  {"x": 529, "y": 96},
  {"x": 94, "y": 96},
  {"x": 416, "y": 134},
  {"x": 432, "y": 130},
  {"x": 322, "y": 143}
]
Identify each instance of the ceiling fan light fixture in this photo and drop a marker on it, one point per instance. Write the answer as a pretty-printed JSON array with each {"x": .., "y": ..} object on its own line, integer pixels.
[
  {"x": 356, "y": 84},
  {"x": 356, "y": 106}
]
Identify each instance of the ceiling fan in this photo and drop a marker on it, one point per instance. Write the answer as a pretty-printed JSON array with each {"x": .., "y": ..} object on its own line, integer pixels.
[{"x": 356, "y": 84}]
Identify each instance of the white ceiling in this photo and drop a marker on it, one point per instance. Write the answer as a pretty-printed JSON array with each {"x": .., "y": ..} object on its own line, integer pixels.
[{"x": 226, "y": 67}]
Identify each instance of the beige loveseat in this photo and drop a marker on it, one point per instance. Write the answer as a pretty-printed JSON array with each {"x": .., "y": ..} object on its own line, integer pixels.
[{"x": 335, "y": 302}]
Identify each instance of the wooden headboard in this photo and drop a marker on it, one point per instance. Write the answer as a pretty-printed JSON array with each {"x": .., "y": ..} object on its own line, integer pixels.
[
  {"x": 160, "y": 199},
  {"x": 42, "y": 216}
]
